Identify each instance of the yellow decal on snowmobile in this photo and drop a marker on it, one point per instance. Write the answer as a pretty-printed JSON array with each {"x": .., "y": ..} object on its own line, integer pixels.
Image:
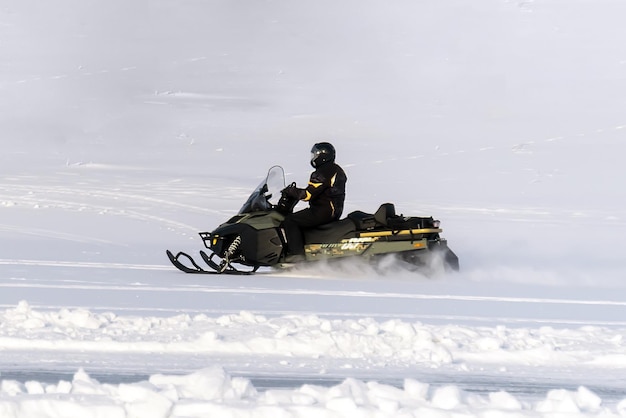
[{"x": 401, "y": 232}]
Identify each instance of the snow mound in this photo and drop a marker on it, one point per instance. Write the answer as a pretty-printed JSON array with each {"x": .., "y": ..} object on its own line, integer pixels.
[
  {"x": 309, "y": 337},
  {"x": 211, "y": 392}
]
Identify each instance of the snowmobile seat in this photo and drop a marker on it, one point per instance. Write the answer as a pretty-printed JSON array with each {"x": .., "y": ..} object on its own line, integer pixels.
[
  {"x": 363, "y": 221},
  {"x": 330, "y": 232},
  {"x": 384, "y": 212}
]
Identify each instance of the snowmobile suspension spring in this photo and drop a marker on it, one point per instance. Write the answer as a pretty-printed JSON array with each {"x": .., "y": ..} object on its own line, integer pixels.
[
  {"x": 234, "y": 245},
  {"x": 229, "y": 253}
]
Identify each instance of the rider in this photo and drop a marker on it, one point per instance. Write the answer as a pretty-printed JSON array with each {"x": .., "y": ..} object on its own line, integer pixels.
[{"x": 325, "y": 193}]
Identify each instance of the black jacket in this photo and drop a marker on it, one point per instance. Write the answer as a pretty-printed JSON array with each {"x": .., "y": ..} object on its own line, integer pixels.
[{"x": 326, "y": 189}]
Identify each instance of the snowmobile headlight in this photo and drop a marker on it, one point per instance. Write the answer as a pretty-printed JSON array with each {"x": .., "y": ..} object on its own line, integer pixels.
[{"x": 436, "y": 224}]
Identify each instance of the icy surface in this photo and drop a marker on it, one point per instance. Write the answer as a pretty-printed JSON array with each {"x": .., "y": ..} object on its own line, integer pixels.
[{"x": 128, "y": 127}]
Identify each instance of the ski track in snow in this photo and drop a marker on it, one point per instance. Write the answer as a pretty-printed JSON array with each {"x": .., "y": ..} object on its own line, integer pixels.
[
  {"x": 76, "y": 199},
  {"x": 207, "y": 295},
  {"x": 284, "y": 292},
  {"x": 52, "y": 78},
  {"x": 37, "y": 232}
]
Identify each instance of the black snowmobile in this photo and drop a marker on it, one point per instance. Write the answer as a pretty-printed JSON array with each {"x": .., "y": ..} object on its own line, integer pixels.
[{"x": 254, "y": 238}]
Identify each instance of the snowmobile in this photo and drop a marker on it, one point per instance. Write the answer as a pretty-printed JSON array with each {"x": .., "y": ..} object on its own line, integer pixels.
[{"x": 254, "y": 238}]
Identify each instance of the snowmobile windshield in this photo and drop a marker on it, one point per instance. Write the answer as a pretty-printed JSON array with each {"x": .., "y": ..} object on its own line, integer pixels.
[{"x": 265, "y": 196}]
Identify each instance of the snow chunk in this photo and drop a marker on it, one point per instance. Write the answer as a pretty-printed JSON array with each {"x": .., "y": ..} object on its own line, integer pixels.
[
  {"x": 447, "y": 397},
  {"x": 208, "y": 384},
  {"x": 505, "y": 401}
]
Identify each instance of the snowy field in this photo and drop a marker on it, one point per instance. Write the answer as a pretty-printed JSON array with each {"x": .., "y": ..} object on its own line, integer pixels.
[{"x": 128, "y": 127}]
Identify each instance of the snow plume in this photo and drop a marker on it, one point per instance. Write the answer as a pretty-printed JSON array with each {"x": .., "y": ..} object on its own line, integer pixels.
[{"x": 382, "y": 268}]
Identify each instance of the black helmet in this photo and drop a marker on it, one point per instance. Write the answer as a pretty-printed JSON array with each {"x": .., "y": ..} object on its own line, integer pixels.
[{"x": 322, "y": 153}]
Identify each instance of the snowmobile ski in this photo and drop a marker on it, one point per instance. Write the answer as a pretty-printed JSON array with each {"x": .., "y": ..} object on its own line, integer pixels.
[{"x": 174, "y": 259}]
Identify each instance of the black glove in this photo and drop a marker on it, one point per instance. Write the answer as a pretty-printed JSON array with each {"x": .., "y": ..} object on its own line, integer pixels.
[{"x": 293, "y": 192}]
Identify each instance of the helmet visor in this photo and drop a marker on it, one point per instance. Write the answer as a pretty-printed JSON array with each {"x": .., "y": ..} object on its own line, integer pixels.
[{"x": 315, "y": 152}]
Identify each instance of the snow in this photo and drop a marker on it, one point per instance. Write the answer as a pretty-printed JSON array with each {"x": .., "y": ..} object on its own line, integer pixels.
[{"x": 128, "y": 127}]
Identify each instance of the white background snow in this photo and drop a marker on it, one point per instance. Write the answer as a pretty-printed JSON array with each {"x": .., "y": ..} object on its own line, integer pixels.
[{"x": 127, "y": 127}]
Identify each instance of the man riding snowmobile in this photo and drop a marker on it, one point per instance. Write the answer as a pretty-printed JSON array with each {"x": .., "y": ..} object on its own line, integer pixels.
[
  {"x": 325, "y": 193},
  {"x": 255, "y": 236}
]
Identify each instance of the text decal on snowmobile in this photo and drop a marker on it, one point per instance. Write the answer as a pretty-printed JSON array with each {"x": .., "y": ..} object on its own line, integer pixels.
[{"x": 356, "y": 243}]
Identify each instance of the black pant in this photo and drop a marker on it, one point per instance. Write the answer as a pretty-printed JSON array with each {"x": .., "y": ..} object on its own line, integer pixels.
[{"x": 304, "y": 219}]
